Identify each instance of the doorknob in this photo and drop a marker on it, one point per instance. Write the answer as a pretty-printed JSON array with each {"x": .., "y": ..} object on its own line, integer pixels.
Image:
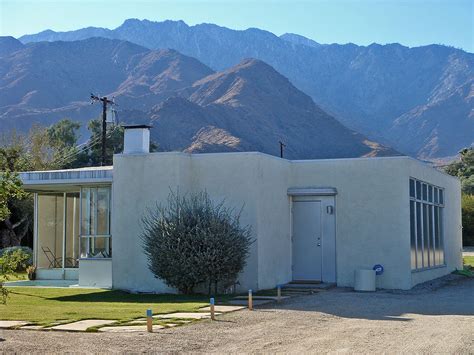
[{"x": 319, "y": 244}]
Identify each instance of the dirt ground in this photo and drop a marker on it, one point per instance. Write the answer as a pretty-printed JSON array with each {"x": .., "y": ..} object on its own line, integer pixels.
[{"x": 433, "y": 318}]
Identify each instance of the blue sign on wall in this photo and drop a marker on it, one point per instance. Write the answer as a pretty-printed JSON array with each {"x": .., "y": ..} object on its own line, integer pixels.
[{"x": 378, "y": 269}]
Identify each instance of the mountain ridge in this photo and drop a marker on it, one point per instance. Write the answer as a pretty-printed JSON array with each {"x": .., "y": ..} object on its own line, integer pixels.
[
  {"x": 375, "y": 89},
  {"x": 246, "y": 107}
]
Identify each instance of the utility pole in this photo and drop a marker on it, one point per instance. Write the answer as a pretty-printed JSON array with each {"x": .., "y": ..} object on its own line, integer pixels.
[
  {"x": 282, "y": 145},
  {"x": 105, "y": 102}
]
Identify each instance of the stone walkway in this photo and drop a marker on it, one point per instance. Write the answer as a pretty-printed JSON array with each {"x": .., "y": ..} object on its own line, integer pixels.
[{"x": 139, "y": 325}]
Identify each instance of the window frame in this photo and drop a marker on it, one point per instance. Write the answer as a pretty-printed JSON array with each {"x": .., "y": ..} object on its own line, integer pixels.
[
  {"x": 86, "y": 238},
  {"x": 430, "y": 259}
]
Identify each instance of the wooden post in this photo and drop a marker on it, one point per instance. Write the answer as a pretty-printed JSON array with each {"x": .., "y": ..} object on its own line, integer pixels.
[
  {"x": 250, "y": 300},
  {"x": 213, "y": 316},
  {"x": 149, "y": 321},
  {"x": 278, "y": 293}
]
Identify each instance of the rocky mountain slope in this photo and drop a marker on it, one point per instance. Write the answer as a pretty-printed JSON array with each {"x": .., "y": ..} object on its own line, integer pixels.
[
  {"x": 247, "y": 107},
  {"x": 419, "y": 100}
]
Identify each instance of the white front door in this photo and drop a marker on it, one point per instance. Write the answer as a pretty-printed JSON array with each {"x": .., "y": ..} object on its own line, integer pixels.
[{"x": 307, "y": 241}]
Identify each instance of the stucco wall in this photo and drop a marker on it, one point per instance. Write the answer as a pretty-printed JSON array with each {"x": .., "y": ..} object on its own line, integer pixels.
[
  {"x": 144, "y": 180},
  {"x": 370, "y": 227},
  {"x": 372, "y": 214}
]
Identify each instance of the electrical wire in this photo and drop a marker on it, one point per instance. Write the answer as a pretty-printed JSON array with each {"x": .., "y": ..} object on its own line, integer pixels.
[{"x": 87, "y": 145}]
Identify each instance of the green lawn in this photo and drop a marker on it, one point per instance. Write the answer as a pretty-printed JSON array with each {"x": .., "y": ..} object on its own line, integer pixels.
[
  {"x": 469, "y": 261},
  {"x": 46, "y": 305},
  {"x": 17, "y": 276}
]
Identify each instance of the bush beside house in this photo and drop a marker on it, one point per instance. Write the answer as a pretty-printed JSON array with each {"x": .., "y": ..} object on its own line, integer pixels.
[{"x": 193, "y": 241}]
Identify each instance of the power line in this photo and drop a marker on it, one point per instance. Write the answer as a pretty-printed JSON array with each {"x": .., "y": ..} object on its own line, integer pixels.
[
  {"x": 105, "y": 102},
  {"x": 90, "y": 144}
]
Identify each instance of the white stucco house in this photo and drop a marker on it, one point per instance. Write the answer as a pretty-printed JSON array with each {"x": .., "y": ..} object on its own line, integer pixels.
[{"x": 313, "y": 220}]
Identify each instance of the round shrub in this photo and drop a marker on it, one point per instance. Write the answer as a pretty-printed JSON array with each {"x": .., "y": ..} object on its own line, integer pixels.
[{"x": 193, "y": 241}]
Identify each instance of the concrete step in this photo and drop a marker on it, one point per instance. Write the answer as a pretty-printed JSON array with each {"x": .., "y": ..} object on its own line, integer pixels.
[{"x": 308, "y": 286}]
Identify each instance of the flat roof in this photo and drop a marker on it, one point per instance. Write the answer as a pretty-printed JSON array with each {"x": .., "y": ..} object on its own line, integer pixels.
[{"x": 42, "y": 180}]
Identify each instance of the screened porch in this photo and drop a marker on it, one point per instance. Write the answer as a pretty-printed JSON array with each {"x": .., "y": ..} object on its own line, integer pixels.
[{"x": 71, "y": 220}]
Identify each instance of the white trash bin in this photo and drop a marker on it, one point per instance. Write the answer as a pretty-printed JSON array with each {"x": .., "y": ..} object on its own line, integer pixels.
[{"x": 364, "y": 280}]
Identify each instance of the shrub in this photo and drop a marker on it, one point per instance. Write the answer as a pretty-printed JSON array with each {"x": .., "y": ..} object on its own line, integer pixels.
[
  {"x": 192, "y": 240},
  {"x": 15, "y": 259},
  {"x": 468, "y": 220}
]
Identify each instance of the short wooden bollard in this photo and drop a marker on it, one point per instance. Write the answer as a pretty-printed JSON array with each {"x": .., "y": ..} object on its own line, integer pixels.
[
  {"x": 278, "y": 293},
  {"x": 250, "y": 300},
  {"x": 149, "y": 321},
  {"x": 213, "y": 315}
]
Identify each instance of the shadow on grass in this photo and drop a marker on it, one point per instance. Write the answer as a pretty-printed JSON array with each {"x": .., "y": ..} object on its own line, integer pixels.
[{"x": 124, "y": 297}]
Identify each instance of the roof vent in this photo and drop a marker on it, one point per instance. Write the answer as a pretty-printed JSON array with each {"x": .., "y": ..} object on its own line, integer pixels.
[{"x": 136, "y": 139}]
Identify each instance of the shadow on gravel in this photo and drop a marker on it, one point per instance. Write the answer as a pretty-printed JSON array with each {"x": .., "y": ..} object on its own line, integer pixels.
[{"x": 445, "y": 296}]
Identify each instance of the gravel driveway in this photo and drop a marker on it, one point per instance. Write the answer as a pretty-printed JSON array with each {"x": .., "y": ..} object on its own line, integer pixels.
[{"x": 436, "y": 318}]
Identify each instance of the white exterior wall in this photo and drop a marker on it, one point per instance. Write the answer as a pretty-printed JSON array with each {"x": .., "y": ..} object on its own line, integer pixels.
[
  {"x": 370, "y": 227},
  {"x": 95, "y": 273},
  {"x": 372, "y": 211}
]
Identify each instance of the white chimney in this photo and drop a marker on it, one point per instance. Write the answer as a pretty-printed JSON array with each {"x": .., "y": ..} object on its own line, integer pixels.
[{"x": 136, "y": 139}]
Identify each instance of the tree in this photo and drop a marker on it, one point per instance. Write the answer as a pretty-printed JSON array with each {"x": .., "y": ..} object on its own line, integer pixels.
[
  {"x": 193, "y": 241},
  {"x": 62, "y": 138},
  {"x": 113, "y": 145},
  {"x": 468, "y": 219},
  {"x": 464, "y": 170}
]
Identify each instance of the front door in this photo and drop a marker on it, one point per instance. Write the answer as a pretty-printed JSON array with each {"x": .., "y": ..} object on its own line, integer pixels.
[{"x": 307, "y": 251}]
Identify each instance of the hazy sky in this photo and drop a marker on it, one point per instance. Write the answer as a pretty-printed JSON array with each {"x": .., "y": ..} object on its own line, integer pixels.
[{"x": 409, "y": 22}]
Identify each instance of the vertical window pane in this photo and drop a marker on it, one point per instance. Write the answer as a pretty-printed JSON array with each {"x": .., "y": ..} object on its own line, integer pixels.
[
  {"x": 89, "y": 200},
  {"x": 72, "y": 230},
  {"x": 432, "y": 250},
  {"x": 412, "y": 188},
  {"x": 437, "y": 235},
  {"x": 419, "y": 237},
  {"x": 418, "y": 190},
  {"x": 425, "y": 192},
  {"x": 50, "y": 224},
  {"x": 430, "y": 193},
  {"x": 441, "y": 196},
  {"x": 412, "y": 235},
  {"x": 426, "y": 238},
  {"x": 103, "y": 199},
  {"x": 441, "y": 236},
  {"x": 435, "y": 195}
]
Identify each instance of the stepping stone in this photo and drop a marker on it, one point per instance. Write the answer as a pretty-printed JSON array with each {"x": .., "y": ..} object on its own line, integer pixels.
[
  {"x": 273, "y": 298},
  {"x": 82, "y": 325},
  {"x": 32, "y": 327},
  {"x": 223, "y": 309},
  {"x": 130, "y": 329},
  {"x": 189, "y": 315},
  {"x": 245, "y": 302},
  {"x": 12, "y": 323}
]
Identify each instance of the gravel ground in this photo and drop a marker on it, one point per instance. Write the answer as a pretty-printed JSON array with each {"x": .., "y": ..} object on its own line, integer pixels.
[{"x": 437, "y": 317}]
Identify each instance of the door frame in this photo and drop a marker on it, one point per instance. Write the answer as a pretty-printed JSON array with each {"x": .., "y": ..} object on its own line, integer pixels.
[{"x": 327, "y": 197}]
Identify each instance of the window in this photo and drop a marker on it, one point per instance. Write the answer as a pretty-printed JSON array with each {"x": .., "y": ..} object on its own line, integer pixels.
[
  {"x": 426, "y": 225},
  {"x": 95, "y": 223}
]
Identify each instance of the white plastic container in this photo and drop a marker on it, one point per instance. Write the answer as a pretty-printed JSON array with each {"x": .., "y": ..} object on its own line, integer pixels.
[{"x": 364, "y": 280}]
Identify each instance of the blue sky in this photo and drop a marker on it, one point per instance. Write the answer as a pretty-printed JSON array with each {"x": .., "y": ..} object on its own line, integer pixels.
[{"x": 409, "y": 22}]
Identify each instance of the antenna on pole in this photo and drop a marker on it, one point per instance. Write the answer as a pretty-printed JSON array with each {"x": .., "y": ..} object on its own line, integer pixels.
[
  {"x": 105, "y": 102},
  {"x": 282, "y": 146}
]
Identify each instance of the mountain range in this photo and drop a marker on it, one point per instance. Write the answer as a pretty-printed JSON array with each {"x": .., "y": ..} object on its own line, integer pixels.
[
  {"x": 249, "y": 106},
  {"x": 418, "y": 100}
]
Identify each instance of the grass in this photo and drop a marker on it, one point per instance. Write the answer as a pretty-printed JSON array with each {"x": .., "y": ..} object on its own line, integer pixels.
[
  {"x": 17, "y": 276},
  {"x": 468, "y": 261},
  {"x": 44, "y": 306}
]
